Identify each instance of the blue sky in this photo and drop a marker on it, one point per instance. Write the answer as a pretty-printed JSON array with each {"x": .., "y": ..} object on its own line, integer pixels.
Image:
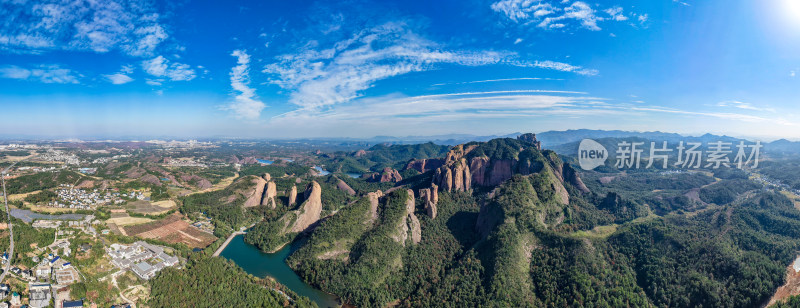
[{"x": 282, "y": 69}]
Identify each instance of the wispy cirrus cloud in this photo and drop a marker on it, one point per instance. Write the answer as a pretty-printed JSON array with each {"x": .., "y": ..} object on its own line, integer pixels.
[
  {"x": 557, "y": 14},
  {"x": 321, "y": 77},
  {"x": 129, "y": 26},
  {"x": 743, "y": 105},
  {"x": 246, "y": 104},
  {"x": 462, "y": 105},
  {"x": 430, "y": 110},
  {"x": 50, "y": 73}
]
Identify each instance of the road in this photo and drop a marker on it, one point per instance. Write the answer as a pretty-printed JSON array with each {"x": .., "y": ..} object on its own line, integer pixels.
[{"x": 8, "y": 217}]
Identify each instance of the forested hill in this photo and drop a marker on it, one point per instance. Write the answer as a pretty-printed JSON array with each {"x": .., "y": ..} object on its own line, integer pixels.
[
  {"x": 380, "y": 156},
  {"x": 505, "y": 223}
]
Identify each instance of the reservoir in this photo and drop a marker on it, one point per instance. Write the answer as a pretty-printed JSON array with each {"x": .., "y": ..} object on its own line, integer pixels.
[
  {"x": 260, "y": 264},
  {"x": 321, "y": 171}
]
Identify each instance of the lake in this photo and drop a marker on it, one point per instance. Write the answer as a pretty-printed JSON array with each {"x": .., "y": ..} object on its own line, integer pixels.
[
  {"x": 353, "y": 175},
  {"x": 321, "y": 171},
  {"x": 261, "y": 264},
  {"x": 266, "y": 162}
]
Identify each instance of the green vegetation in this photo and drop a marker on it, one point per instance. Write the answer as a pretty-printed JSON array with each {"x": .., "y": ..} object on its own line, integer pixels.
[
  {"x": 726, "y": 191},
  {"x": 24, "y": 237},
  {"x": 791, "y": 302},
  {"x": 42, "y": 197},
  {"x": 216, "y": 282},
  {"x": 275, "y": 170},
  {"x": 213, "y": 174},
  {"x": 224, "y": 207},
  {"x": 269, "y": 235},
  {"x": 40, "y": 181},
  {"x": 381, "y": 156},
  {"x": 785, "y": 171}
]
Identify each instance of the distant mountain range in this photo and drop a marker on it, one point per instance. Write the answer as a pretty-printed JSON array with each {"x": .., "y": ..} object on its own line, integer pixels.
[{"x": 566, "y": 142}]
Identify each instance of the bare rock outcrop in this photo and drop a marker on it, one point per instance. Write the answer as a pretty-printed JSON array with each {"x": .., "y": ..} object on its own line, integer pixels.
[
  {"x": 266, "y": 177},
  {"x": 309, "y": 212},
  {"x": 293, "y": 196},
  {"x": 387, "y": 175},
  {"x": 571, "y": 176},
  {"x": 455, "y": 176},
  {"x": 270, "y": 193},
  {"x": 409, "y": 223},
  {"x": 360, "y": 153},
  {"x": 424, "y": 165},
  {"x": 430, "y": 198},
  {"x": 256, "y": 194},
  {"x": 341, "y": 185},
  {"x": 411, "y": 220},
  {"x": 374, "y": 201},
  {"x": 561, "y": 193},
  {"x": 414, "y": 226},
  {"x": 530, "y": 138}
]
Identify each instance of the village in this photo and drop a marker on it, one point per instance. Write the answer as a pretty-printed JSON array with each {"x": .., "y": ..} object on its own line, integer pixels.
[
  {"x": 49, "y": 275},
  {"x": 77, "y": 198}
]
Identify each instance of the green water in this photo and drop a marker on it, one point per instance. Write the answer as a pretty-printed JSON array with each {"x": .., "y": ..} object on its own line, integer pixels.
[{"x": 261, "y": 264}]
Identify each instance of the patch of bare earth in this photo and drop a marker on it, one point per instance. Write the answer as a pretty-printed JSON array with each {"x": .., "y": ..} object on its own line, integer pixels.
[{"x": 792, "y": 286}]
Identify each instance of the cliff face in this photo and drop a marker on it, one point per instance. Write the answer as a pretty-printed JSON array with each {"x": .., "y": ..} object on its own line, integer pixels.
[
  {"x": 409, "y": 223},
  {"x": 309, "y": 212},
  {"x": 430, "y": 198},
  {"x": 293, "y": 196},
  {"x": 387, "y": 175},
  {"x": 571, "y": 176},
  {"x": 341, "y": 185},
  {"x": 256, "y": 193},
  {"x": 425, "y": 165},
  {"x": 491, "y": 163},
  {"x": 269, "y": 195},
  {"x": 374, "y": 201}
]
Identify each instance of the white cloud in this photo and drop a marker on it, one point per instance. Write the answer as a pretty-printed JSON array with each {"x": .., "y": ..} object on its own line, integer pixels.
[
  {"x": 615, "y": 13},
  {"x": 517, "y": 41},
  {"x": 792, "y": 74},
  {"x": 130, "y": 26},
  {"x": 743, "y": 105},
  {"x": 42, "y": 73},
  {"x": 161, "y": 67},
  {"x": 425, "y": 108},
  {"x": 118, "y": 78},
  {"x": 321, "y": 77},
  {"x": 498, "y": 80},
  {"x": 555, "y": 14},
  {"x": 681, "y": 3},
  {"x": 643, "y": 18},
  {"x": 245, "y": 105},
  {"x": 564, "y": 67}
]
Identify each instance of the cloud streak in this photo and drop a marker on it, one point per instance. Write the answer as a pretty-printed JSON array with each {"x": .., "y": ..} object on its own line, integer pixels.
[
  {"x": 318, "y": 78},
  {"x": 50, "y": 73},
  {"x": 246, "y": 104}
]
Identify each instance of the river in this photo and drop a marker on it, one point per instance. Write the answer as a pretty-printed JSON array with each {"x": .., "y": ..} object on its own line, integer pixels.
[{"x": 261, "y": 264}]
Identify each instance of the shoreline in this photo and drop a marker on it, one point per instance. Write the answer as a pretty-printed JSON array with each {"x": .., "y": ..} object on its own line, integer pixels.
[{"x": 227, "y": 241}]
